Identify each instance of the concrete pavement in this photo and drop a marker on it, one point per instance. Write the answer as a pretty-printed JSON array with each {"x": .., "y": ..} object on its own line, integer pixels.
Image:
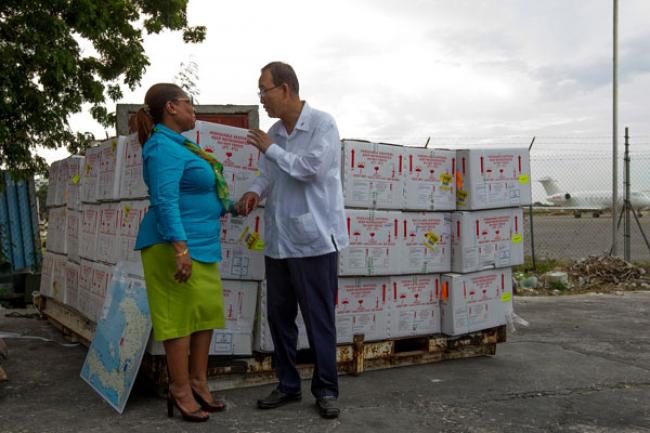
[{"x": 583, "y": 365}]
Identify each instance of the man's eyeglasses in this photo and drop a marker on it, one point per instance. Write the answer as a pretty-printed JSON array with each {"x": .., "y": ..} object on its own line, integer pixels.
[{"x": 262, "y": 92}]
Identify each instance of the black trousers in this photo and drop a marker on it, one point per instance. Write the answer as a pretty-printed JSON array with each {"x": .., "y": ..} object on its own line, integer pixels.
[{"x": 311, "y": 283}]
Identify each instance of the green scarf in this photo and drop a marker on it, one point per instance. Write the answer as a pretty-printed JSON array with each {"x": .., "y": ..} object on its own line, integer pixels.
[{"x": 217, "y": 167}]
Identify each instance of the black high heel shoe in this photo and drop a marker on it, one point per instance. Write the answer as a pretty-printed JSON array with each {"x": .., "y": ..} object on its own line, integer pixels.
[
  {"x": 187, "y": 416},
  {"x": 214, "y": 406}
]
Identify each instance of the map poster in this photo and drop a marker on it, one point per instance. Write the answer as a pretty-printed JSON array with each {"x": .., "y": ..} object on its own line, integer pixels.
[{"x": 121, "y": 336}]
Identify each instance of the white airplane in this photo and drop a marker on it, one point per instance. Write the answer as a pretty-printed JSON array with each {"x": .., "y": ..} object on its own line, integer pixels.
[{"x": 588, "y": 201}]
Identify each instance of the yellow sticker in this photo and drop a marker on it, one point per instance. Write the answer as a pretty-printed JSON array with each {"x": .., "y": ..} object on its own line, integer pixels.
[
  {"x": 445, "y": 178},
  {"x": 431, "y": 239},
  {"x": 461, "y": 195},
  {"x": 114, "y": 145},
  {"x": 506, "y": 297},
  {"x": 75, "y": 179},
  {"x": 252, "y": 240},
  {"x": 517, "y": 238},
  {"x": 523, "y": 179}
]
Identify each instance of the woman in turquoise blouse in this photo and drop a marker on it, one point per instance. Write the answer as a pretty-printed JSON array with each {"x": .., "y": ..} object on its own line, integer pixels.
[{"x": 180, "y": 247}]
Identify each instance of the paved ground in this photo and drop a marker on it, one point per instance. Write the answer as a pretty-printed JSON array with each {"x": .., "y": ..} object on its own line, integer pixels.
[
  {"x": 564, "y": 237},
  {"x": 583, "y": 365}
]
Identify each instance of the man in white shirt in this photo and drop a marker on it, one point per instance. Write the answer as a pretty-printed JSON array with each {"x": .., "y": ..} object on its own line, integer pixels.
[{"x": 300, "y": 178}]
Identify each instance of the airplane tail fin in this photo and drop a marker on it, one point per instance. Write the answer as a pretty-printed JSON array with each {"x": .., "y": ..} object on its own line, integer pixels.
[{"x": 550, "y": 185}]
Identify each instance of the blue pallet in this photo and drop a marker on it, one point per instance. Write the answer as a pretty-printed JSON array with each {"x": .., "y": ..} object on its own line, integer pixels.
[{"x": 19, "y": 230}]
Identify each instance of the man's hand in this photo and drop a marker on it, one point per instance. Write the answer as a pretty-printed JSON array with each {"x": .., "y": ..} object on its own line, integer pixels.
[
  {"x": 259, "y": 139},
  {"x": 247, "y": 203}
]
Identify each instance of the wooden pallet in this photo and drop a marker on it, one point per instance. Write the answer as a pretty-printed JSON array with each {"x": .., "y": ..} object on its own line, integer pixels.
[{"x": 228, "y": 372}]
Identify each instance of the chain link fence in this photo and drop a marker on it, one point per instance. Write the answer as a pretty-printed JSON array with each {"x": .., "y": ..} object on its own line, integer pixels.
[{"x": 572, "y": 192}]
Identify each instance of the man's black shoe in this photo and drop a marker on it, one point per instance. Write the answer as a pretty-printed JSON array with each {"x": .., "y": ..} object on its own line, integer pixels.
[
  {"x": 277, "y": 398},
  {"x": 327, "y": 407}
]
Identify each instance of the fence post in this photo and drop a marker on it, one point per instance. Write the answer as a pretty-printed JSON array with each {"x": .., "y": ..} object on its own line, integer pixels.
[{"x": 628, "y": 204}]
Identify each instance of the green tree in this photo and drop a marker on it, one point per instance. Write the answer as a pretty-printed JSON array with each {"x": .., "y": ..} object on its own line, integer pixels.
[{"x": 45, "y": 76}]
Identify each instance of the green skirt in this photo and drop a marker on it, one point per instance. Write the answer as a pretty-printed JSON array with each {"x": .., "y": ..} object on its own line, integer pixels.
[{"x": 180, "y": 309}]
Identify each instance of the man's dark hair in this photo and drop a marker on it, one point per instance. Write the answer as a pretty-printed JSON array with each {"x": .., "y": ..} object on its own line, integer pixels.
[{"x": 283, "y": 73}]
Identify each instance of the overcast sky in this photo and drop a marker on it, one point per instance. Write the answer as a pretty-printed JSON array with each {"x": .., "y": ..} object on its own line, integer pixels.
[{"x": 401, "y": 71}]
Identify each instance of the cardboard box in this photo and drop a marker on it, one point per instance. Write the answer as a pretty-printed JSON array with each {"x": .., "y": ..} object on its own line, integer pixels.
[
  {"x": 240, "y": 301},
  {"x": 228, "y": 144},
  {"x": 492, "y": 178},
  {"x": 61, "y": 183},
  {"x": 375, "y": 243},
  {"x": 102, "y": 275},
  {"x": 132, "y": 184},
  {"x": 263, "y": 341},
  {"x": 90, "y": 175},
  {"x": 429, "y": 179},
  {"x": 89, "y": 230},
  {"x": 476, "y": 301},
  {"x": 110, "y": 166},
  {"x": 414, "y": 307},
  {"x": 56, "y": 230},
  {"x": 50, "y": 200},
  {"x": 130, "y": 216},
  {"x": 427, "y": 242},
  {"x": 372, "y": 175},
  {"x": 108, "y": 241},
  {"x": 46, "y": 274},
  {"x": 57, "y": 290},
  {"x": 487, "y": 239},
  {"x": 72, "y": 233},
  {"x": 72, "y": 284},
  {"x": 74, "y": 166},
  {"x": 362, "y": 308},
  {"x": 239, "y": 261}
]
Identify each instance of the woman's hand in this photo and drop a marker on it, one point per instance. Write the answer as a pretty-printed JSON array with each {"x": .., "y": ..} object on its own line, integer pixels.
[{"x": 183, "y": 262}]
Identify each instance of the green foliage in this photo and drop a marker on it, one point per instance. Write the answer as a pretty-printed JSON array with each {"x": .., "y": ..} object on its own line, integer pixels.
[{"x": 59, "y": 54}]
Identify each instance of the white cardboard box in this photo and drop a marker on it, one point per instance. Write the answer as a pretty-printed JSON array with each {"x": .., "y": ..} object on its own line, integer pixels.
[
  {"x": 426, "y": 242},
  {"x": 240, "y": 301},
  {"x": 238, "y": 261},
  {"x": 362, "y": 308},
  {"x": 72, "y": 233},
  {"x": 132, "y": 184},
  {"x": 61, "y": 183},
  {"x": 487, "y": 239},
  {"x": 492, "y": 178},
  {"x": 476, "y": 301},
  {"x": 110, "y": 164},
  {"x": 46, "y": 274},
  {"x": 74, "y": 166},
  {"x": 228, "y": 144},
  {"x": 372, "y": 175},
  {"x": 414, "y": 305},
  {"x": 89, "y": 230},
  {"x": 72, "y": 284},
  {"x": 90, "y": 175},
  {"x": 57, "y": 291},
  {"x": 375, "y": 243},
  {"x": 130, "y": 216},
  {"x": 108, "y": 241},
  {"x": 56, "y": 230},
  {"x": 429, "y": 179},
  {"x": 50, "y": 200}
]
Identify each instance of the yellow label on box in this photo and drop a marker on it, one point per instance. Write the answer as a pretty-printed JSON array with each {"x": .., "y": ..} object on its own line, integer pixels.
[
  {"x": 461, "y": 195},
  {"x": 75, "y": 179},
  {"x": 517, "y": 238},
  {"x": 114, "y": 145},
  {"x": 430, "y": 240},
  {"x": 252, "y": 240},
  {"x": 445, "y": 178},
  {"x": 506, "y": 297},
  {"x": 523, "y": 179}
]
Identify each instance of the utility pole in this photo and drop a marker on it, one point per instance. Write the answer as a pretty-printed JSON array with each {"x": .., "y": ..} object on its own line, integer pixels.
[{"x": 615, "y": 132}]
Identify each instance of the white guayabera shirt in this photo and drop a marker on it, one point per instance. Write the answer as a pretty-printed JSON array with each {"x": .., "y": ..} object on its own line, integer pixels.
[{"x": 300, "y": 177}]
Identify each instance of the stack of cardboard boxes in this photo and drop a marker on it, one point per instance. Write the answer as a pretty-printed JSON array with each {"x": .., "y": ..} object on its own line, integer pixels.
[{"x": 433, "y": 233}]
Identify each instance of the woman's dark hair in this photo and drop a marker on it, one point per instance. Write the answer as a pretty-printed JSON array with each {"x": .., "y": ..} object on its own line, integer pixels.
[{"x": 154, "y": 106}]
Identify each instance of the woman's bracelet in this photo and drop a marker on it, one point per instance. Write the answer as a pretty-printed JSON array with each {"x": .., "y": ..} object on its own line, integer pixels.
[{"x": 182, "y": 253}]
